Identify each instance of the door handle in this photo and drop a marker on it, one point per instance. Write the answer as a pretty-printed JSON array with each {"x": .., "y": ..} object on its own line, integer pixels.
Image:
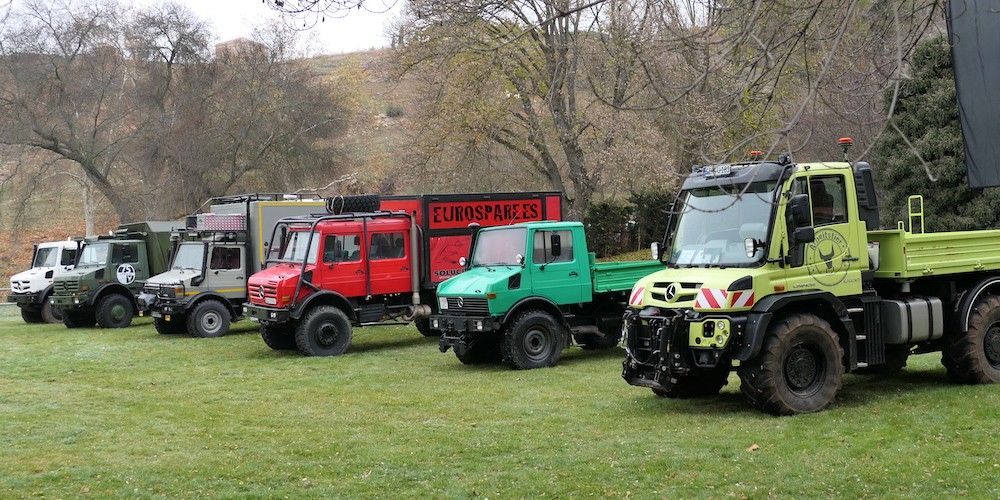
[
  {"x": 359, "y": 271},
  {"x": 574, "y": 274},
  {"x": 238, "y": 277}
]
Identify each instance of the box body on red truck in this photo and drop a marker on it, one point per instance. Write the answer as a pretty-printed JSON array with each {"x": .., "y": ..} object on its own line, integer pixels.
[{"x": 372, "y": 261}]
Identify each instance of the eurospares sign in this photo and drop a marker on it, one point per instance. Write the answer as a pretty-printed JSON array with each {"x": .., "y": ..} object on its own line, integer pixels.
[{"x": 459, "y": 214}]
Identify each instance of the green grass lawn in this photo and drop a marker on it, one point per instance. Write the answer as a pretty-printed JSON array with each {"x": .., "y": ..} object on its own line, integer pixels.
[{"x": 132, "y": 413}]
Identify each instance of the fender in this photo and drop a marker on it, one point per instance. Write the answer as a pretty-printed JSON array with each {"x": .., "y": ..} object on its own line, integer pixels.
[
  {"x": 764, "y": 310},
  {"x": 44, "y": 295},
  {"x": 113, "y": 288},
  {"x": 327, "y": 297},
  {"x": 546, "y": 305},
  {"x": 194, "y": 300},
  {"x": 965, "y": 305}
]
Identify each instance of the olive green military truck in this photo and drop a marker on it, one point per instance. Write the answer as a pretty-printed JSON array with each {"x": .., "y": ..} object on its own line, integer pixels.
[
  {"x": 109, "y": 272},
  {"x": 777, "y": 269}
]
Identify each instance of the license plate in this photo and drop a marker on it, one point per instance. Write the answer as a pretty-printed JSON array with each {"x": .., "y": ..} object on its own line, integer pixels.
[{"x": 156, "y": 314}]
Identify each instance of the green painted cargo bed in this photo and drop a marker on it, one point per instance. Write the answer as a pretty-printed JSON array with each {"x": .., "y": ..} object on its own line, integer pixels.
[
  {"x": 620, "y": 276},
  {"x": 905, "y": 255}
]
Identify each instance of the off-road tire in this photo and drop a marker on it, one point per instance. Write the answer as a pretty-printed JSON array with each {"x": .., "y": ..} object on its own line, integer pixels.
[
  {"x": 356, "y": 203},
  {"x": 164, "y": 327},
  {"x": 593, "y": 342},
  {"x": 325, "y": 331},
  {"x": 424, "y": 327},
  {"x": 31, "y": 315},
  {"x": 534, "y": 339},
  {"x": 798, "y": 370},
  {"x": 485, "y": 349},
  {"x": 208, "y": 319},
  {"x": 114, "y": 311},
  {"x": 280, "y": 337},
  {"x": 50, "y": 313},
  {"x": 973, "y": 357},
  {"x": 895, "y": 360},
  {"x": 698, "y": 384},
  {"x": 79, "y": 319}
]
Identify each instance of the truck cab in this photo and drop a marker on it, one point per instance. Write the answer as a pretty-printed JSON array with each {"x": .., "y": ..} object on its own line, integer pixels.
[
  {"x": 109, "y": 272},
  {"x": 31, "y": 289},
  {"x": 530, "y": 290}
]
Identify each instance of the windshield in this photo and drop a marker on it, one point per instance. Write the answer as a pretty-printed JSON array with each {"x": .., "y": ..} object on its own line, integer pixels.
[
  {"x": 500, "y": 247},
  {"x": 46, "y": 257},
  {"x": 189, "y": 256},
  {"x": 714, "y": 224},
  {"x": 295, "y": 247},
  {"x": 95, "y": 254}
]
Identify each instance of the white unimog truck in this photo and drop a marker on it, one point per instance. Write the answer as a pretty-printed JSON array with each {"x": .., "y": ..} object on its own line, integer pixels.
[
  {"x": 204, "y": 289},
  {"x": 31, "y": 289}
]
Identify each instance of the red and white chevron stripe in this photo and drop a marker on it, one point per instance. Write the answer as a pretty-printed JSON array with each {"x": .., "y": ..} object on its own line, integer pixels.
[
  {"x": 636, "y": 298},
  {"x": 742, "y": 298},
  {"x": 710, "y": 298}
]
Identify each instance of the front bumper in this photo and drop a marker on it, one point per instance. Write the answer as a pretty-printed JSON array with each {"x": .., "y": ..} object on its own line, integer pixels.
[
  {"x": 71, "y": 301},
  {"x": 266, "y": 314},
  {"x": 658, "y": 347},
  {"x": 461, "y": 329},
  {"x": 25, "y": 299}
]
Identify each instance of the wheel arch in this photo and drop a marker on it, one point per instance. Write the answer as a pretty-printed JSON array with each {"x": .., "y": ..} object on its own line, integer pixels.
[
  {"x": 540, "y": 303},
  {"x": 115, "y": 288},
  {"x": 984, "y": 287},
  {"x": 203, "y": 296},
  {"x": 325, "y": 298},
  {"x": 768, "y": 310}
]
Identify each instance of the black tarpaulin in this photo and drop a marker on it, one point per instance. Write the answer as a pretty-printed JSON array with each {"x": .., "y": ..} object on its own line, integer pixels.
[{"x": 974, "y": 32}]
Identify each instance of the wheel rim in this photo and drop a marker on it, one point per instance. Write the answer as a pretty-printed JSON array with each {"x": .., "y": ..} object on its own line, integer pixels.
[
  {"x": 804, "y": 368},
  {"x": 327, "y": 335},
  {"x": 118, "y": 312},
  {"x": 211, "y": 322},
  {"x": 991, "y": 344},
  {"x": 536, "y": 344}
]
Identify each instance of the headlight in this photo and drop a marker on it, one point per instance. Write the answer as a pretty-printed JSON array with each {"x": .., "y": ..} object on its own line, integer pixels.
[
  {"x": 434, "y": 324},
  {"x": 478, "y": 325},
  {"x": 270, "y": 300},
  {"x": 84, "y": 288},
  {"x": 273, "y": 315},
  {"x": 443, "y": 303}
]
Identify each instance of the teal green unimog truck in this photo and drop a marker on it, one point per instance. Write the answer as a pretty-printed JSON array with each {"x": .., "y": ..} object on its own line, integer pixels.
[
  {"x": 110, "y": 271},
  {"x": 777, "y": 269},
  {"x": 530, "y": 290}
]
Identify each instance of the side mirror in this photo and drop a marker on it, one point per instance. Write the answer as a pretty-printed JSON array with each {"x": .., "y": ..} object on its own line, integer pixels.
[
  {"x": 805, "y": 234},
  {"x": 462, "y": 261},
  {"x": 555, "y": 241},
  {"x": 654, "y": 250},
  {"x": 798, "y": 211},
  {"x": 519, "y": 259}
]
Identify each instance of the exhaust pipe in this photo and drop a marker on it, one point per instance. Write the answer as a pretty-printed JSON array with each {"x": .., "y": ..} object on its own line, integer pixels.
[{"x": 417, "y": 310}]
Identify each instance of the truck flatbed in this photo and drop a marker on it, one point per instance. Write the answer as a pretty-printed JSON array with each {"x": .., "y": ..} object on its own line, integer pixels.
[
  {"x": 906, "y": 255},
  {"x": 621, "y": 276}
]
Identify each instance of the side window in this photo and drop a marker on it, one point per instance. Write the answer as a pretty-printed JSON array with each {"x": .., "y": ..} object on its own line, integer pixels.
[
  {"x": 225, "y": 258},
  {"x": 828, "y": 198},
  {"x": 542, "y": 248},
  {"x": 341, "y": 248},
  {"x": 125, "y": 254},
  {"x": 387, "y": 246},
  {"x": 68, "y": 257}
]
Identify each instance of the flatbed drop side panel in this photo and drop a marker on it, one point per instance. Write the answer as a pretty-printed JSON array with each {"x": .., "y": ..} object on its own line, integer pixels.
[
  {"x": 445, "y": 219},
  {"x": 904, "y": 255}
]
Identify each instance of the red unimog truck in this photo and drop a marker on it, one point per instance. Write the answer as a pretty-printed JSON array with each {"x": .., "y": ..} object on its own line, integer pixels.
[{"x": 372, "y": 261}]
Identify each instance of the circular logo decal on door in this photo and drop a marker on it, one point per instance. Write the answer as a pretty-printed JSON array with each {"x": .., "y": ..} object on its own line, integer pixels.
[
  {"x": 125, "y": 274},
  {"x": 826, "y": 255}
]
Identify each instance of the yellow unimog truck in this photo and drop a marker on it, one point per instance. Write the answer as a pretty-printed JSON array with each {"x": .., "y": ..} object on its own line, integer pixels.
[{"x": 777, "y": 270}]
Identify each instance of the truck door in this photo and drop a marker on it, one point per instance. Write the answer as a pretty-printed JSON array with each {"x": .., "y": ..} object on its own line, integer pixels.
[
  {"x": 831, "y": 261},
  {"x": 226, "y": 272},
  {"x": 389, "y": 262},
  {"x": 555, "y": 267},
  {"x": 342, "y": 267},
  {"x": 128, "y": 264}
]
